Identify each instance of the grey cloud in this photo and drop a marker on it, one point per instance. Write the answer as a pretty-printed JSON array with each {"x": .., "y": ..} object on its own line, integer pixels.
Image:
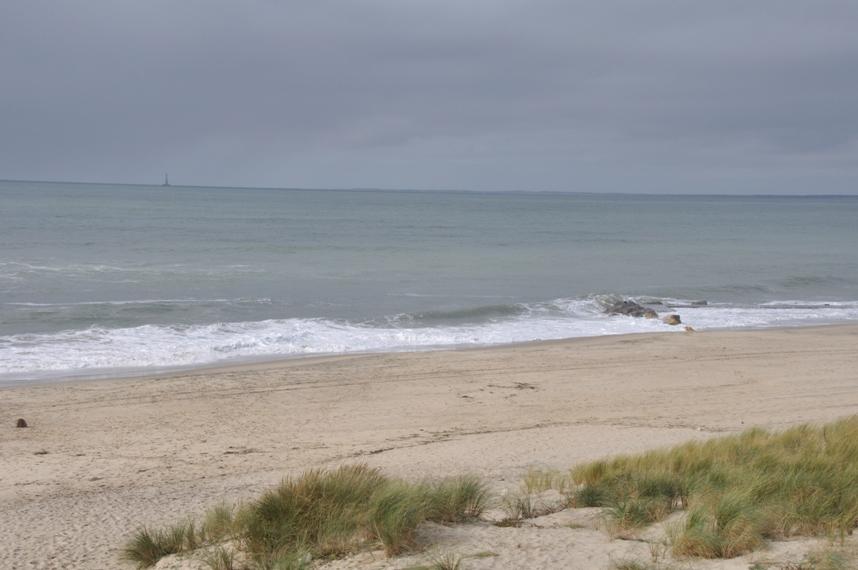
[{"x": 542, "y": 95}]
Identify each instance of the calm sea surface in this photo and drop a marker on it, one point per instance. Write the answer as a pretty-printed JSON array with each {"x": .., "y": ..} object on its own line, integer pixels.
[{"x": 104, "y": 279}]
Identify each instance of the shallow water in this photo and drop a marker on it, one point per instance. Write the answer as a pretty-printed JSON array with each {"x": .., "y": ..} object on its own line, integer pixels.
[{"x": 95, "y": 278}]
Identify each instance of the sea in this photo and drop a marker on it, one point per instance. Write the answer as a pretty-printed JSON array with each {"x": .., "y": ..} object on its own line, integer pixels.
[{"x": 119, "y": 280}]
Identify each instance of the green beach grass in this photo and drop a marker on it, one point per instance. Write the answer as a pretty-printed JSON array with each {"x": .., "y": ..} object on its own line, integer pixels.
[
  {"x": 737, "y": 491},
  {"x": 321, "y": 514}
]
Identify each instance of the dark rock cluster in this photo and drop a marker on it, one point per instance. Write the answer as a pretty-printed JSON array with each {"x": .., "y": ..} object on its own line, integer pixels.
[{"x": 631, "y": 309}]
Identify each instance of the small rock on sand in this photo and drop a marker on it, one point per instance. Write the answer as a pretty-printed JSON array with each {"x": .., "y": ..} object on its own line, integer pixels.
[{"x": 21, "y": 423}]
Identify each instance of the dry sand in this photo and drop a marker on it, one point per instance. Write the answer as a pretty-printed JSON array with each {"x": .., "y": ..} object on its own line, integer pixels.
[{"x": 102, "y": 457}]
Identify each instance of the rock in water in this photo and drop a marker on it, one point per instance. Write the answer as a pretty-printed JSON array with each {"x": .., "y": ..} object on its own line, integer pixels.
[
  {"x": 21, "y": 423},
  {"x": 631, "y": 309},
  {"x": 672, "y": 320}
]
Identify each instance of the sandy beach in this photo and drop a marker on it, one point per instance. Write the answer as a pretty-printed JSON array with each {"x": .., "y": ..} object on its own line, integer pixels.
[{"x": 101, "y": 458}]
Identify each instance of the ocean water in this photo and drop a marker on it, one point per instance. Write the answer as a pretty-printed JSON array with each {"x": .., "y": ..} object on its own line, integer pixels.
[{"x": 113, "y": 279}]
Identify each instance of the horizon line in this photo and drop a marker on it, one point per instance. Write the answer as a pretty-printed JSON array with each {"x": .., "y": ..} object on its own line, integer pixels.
[{"x": 439, "y": 190}]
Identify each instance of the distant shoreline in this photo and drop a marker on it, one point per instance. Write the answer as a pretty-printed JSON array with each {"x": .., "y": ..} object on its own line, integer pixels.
[{"x": 425, "y": 190}]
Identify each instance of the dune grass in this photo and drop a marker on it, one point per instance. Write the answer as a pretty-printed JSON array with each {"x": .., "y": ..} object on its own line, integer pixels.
[
  {"x": 218, "y": 524},
  {"x": 449, "y": 561},
  {"x": 148, "y": 545},
  {"x": 457, "y": 499},
  {"x": 540, "y": 480},
  {"x": 219, "y": 558},
  {"x": 517, "y": 508},
  {"x": 320, "y": 514},
  {"x": 738, "y": 490}
]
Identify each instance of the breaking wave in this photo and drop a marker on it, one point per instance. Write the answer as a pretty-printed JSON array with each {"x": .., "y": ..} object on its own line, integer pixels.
[{"x": 97, "y": 351}]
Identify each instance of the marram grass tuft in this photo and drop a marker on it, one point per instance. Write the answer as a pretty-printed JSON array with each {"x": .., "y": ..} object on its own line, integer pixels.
[
  {"x": 738, "y": 490},
  {"x": 321, "y": 514}
]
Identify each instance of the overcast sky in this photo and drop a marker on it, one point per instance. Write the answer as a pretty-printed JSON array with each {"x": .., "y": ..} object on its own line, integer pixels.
[{"x": 604, "y": 96}]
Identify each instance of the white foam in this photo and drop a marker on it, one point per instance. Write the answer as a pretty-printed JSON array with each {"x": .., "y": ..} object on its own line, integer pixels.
[
  {"x": 150, "y": 346},
  {"x": 769, "y": 316},
  {"x": 16, "y": 271},
  {"x": 811, "y": 304},
  {"x": 190, "y": 301},
  {"x": 98, "y": 350}
]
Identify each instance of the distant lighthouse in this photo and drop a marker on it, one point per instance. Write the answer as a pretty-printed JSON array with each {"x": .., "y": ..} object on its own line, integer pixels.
[{"x": 166, "y": 180}]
